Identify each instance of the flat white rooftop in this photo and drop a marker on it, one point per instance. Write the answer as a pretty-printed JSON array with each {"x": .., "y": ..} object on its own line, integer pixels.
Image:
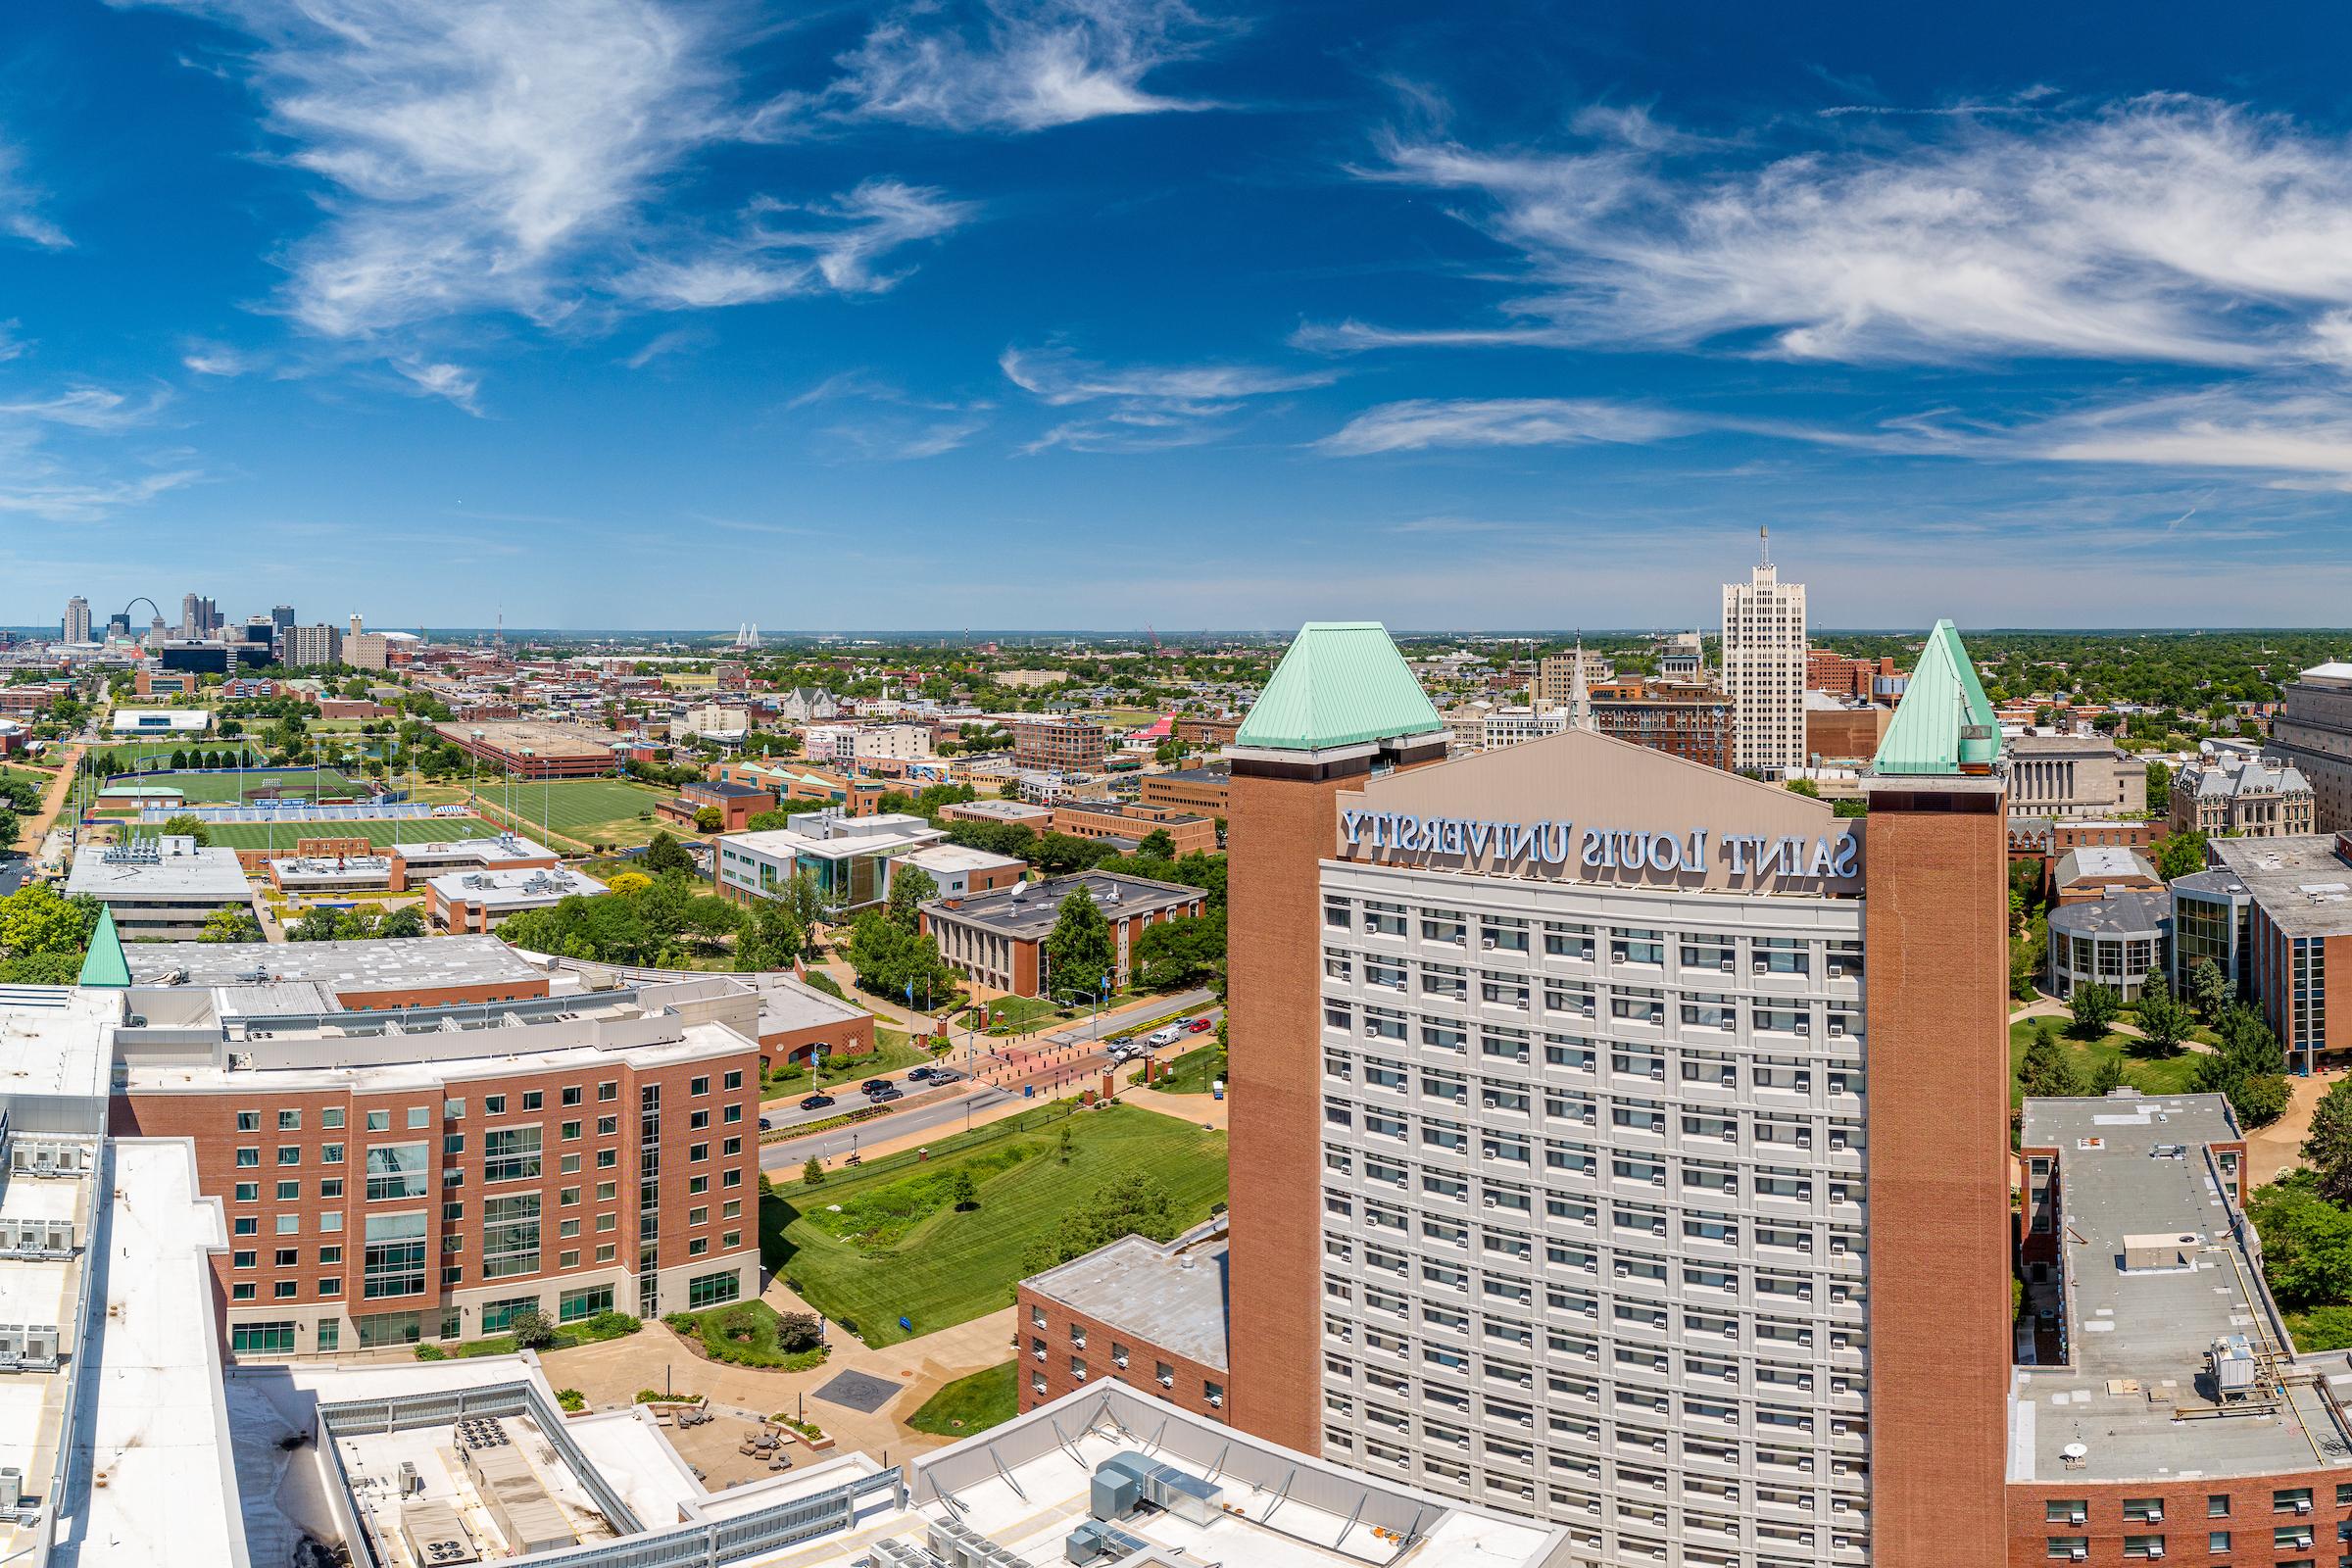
[
  {"x": 53, "y": 1041},
  {"x": 151, "y": 1479},
  {"x": 180, "y": 870},
  {"x": 516, "y": 886}
]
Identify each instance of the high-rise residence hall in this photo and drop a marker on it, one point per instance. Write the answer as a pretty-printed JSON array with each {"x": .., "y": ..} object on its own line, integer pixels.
[
  {"x": 77, "y": 624},
  {"x": 1656, "y": 1118},
  {"x": 1764, "y": 670},
  {"x": 2314, "y": 731}
]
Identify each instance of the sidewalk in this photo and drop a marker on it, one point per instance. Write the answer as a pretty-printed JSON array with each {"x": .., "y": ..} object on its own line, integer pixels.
[
  {"x": 610, "y": 1374},
  {"x": 35, "y": 828}
]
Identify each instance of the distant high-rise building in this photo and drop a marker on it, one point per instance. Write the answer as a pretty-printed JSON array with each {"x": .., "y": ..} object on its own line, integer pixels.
[
  {"x": 77, "y": 623},
  {"x": 282, "y": 617},
  {"x": 118, "y": 625},
  {"x": 2314, "y": 731},
  {"x": 199, "y": 617},
  {"x": 1684, "y": 657},
  {"x": 310, "y": 647},
  {"x": 1764, "y": 670}
]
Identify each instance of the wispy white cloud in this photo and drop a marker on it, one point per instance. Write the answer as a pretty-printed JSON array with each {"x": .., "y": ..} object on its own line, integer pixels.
[
  {"x": 2165, "y": 228},
  {"x": 55, "y": 465},
  {"x": 885, "y": 423},
  {"x": 677, "y": 340},
  {"x": 1143, "y": 408},
  {"x": 1005, "y": 66},
  {"x": 441, "y": 379},
  {"x": 20, "y": 216},
  {"x": 2302, "y": 435},
  {"x": 1418, "y": 425},
  {"x": 782, "y": 250}
]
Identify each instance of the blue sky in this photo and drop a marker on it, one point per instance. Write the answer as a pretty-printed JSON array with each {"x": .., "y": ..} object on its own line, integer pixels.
[{"x": 1093, "y": 313}]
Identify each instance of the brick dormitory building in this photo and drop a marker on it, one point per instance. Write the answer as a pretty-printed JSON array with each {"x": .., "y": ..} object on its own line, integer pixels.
[{"x": 1658, "y": 1132}]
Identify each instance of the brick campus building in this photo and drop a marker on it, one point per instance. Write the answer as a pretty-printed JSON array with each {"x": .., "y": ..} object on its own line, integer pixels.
[{"x": 1657, "y": 1122}]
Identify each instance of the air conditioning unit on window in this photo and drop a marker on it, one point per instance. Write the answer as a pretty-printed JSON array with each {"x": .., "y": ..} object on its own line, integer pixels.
[{"x": 1728, "y": 965}]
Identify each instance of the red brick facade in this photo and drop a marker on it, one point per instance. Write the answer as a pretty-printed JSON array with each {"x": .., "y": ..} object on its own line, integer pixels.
[{"x": 1056, "y": 1341}]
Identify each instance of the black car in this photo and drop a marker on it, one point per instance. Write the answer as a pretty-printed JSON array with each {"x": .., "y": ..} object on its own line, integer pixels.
[
  {"x": 874, "y": 1086},
  {"x": 817, "y": 1102},
  {"x": 918, "y": 1075}
]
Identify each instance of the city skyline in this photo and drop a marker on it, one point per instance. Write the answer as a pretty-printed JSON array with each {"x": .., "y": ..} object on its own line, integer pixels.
[{"x": 1486, "y": 321}]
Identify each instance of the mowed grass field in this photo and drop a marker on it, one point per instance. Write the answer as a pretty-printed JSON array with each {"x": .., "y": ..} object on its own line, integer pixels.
[
  {"x": 130, "y": 755},
  {"x": 2151, "y": 1075},
  {"x": 417, "y": 830},
  {"x": 229, "y": 789},
  {"x": 940, "y": 1266},
  {"x": 600, "y": 812}
]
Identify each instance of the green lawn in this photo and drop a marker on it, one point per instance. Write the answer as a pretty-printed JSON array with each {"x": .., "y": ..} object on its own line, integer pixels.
[
  {"x": 2153, "y": 1075},
  {"x": 600, "y": 812},
  {"x": 938, "y": 1266},
  {"x": 971, "y": 1405},
  {"x": 1019, "y": 1014},
  {"x": 1193, "y": 1072},
  {"x": 131, "y": 754},
  {"x": 282, "y": 836}
]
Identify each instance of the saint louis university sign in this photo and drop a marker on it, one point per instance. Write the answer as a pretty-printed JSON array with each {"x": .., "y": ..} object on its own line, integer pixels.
[{"x": 1561, "y": 849}]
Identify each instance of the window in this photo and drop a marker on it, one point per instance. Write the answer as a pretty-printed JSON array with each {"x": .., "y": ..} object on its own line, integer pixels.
[
  {"x": 419, "y": 1116},
  {"x": 510, "y": 1235},
  {"x": 509, "y": 1154},
  {"x": 733, "y": 1080},
  {"x": 572, "y": 1131},
  {"x": 397, "y": 1170},
  {"x": 574, "y": 1306},
  {"x": 247, "y": 1225},
  {"x": 379, "y": 1121},
  {"x": 289, "y": 1121},
  {"x": 393, "y": 1263},
  {"x": 330, "y": 1330},
  {"x": 250, "y": 1191},
  {"x": 249, "y": 1121},
  {"x": 499, "y": 1316},
  {"x": 330, "y": 1153},
  {"x": 289, "y": 1153},
  {"x": 331, "y": 1117},
  {"x": 262, "y": 1339},
  {"x": 712, "y": 1290},
  {"x": 240, "y": 1292},
  {"x": 248, "y": 1158},
  {"x": 534, "y": 1098}
]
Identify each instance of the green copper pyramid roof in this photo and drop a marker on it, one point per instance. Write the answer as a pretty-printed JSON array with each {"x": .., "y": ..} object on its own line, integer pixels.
[
  {"x": 104, "y": 965},
  {"x": 1341, "y": 683},
  {"x": 1944, "y": 700}
]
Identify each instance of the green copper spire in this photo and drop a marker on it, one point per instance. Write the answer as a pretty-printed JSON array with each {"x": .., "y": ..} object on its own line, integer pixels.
[
  {"x": 1944, "y": 724},
  {"x": 105, "y": 964},
  {"x": 1341, "y": 683}
]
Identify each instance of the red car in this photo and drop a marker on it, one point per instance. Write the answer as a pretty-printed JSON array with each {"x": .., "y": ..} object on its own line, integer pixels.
[{"x": 1198, "y": 1026}]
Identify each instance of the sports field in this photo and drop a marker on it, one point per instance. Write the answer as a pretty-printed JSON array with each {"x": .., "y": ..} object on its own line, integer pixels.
[
  {"x": 869, "y": 1246},
  {"x": 255, "y": 783},
  {"x": 415, "y": 830},
  {"x": 157, "y": 754},
  {"x": 587, "y": 810}
]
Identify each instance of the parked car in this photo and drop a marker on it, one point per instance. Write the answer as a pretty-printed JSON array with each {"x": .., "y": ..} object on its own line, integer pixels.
[
  {"x": 874, "y": 1086},
  {"x": 1200, "y": 1026},
  {"x": 886, "y": 1094},
  {"x": 817, "y": 1102},
  {"x": 1163, "y": 1037},
  {"x": 918, "y": 1075}
]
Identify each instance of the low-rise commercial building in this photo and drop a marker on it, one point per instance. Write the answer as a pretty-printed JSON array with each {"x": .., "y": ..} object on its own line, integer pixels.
[
  {"x": 414, "y": 865},
  {"x": 849, "y": 856},
  {"x": 2314, "y": 731},
  {"x": 535, "y": 749},
  {"x": 2277, "y": 917},
  {"x": 484, "y": 901},
  {"x": 1148, "y": 1314},
  {"x": 160, "y": 888},
  {"x": 1024, "y": 813},
  {"x": 2074, "y": 775},
  {"x": 2116, "y": 941},
  {"x": 1067, "y": 743},
  {"x": 959, "y": 872},
  {"x": 1684, "y": 720},
  {"x": 998, "y": 939},
  {"x": 2244, "y": 797},
  {"x": 397, "y": 1178},
  {"x": 735, "y": 804},
  {"x": 1205, "y": 790},
  {"x": 166, "y": 724},
  {"x": 1843, "y": 730},
  {"x": 1189, "y": 831},
  {"x": 2086, "y": 874},
  {"x": 353, "y": 976}
]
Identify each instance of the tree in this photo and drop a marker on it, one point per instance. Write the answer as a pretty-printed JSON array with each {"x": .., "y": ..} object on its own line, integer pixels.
[
  {"x": 771, "y": 938},
  {"x": 1184, "y": 952},
  {"x": 187, "y": 826},
  {"x": 2164, "y": 1022},
  {"x": 2094, "y": 1007},
  {"x": 531, "y": 1330},
  {"x": 2160, "y": 785},
  {"x": 2247, "y": 1067},
  {"x": 664, "y": 855},
  {"x": 2177, "y": 855},
  {"x": 400, "y": 923},
  {"x": 2209, "y": 988},
  {"x": 2327, "y": 1146},
  {"x": 1805, "y": 787},
  {"x": 36, "y": 921},
  {"x": 1132, "y": 1205},
  {"x": 910, "y": 887},
  {"x": 1060, "y": 853},
  {"x": 1156, "y": 845},
  {"x": 1079, "y": 955},
  {"x": 628, "y": 882},
  {"x": 812, "y": 1174},
  {"x": 889, "y": 960},
  {"x": 965, "y": 1191},
  {"x": 2306, "y": 1242},
  {"x": 2107, "y": 1077},
  {"x": 708, "y": 819},
  {"x": 2049, "y": 1070},
  {"x": 233, "y": 923},
  {"x": 798, "y": 1331}
]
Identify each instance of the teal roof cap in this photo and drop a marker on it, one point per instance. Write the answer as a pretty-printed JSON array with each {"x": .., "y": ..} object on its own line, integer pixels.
[
  {"x": 1944, "y": 722},
  {"x": 1341, "y": 683},
  {"x": 104, "y": 965}
]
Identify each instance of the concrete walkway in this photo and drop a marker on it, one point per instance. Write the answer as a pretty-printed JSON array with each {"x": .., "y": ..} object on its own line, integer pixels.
[{"x": 610, "y": 1373}]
